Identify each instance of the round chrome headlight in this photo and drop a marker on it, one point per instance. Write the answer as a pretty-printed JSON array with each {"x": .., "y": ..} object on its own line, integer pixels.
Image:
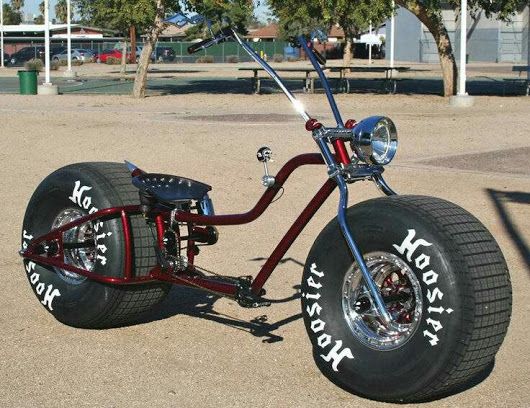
[{"x": 375, "y": 140}]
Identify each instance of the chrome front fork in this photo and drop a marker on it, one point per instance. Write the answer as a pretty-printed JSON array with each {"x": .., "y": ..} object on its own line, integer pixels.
[{"x": 334, "y": 172}]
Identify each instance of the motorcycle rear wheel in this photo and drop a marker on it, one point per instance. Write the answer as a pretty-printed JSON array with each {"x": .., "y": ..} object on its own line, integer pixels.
[
  {"x": 72, "y": 192},
  {"x": 444, "y": 280}
]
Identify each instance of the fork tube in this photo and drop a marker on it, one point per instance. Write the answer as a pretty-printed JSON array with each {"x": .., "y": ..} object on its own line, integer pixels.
[
  {"x": 343, "y": 223},
  {"x": 323, "y": 79}
]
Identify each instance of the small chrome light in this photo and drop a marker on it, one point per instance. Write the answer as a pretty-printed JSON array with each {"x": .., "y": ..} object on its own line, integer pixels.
[{"x": 375, "y": 140}]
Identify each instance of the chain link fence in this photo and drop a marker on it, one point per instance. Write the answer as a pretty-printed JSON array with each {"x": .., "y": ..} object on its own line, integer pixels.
[{"x": 225, "y": 52}]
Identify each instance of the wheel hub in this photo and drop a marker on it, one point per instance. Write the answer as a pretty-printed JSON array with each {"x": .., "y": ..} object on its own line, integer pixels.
[
  {"x": 401, "y": 293},
  {"x": 84, "y": 254}
]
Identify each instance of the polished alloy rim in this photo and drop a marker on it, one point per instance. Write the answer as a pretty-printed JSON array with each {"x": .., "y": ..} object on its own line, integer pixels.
[
  {"x": 84, "y": 255},
  {"x": 401, "y": 292}
]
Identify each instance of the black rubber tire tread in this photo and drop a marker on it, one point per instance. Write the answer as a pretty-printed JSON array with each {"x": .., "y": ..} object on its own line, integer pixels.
[
  {"x": 129, "y": 302},
  {"x": 488, "y": 309},
  {"x": 125, "y": 303}
]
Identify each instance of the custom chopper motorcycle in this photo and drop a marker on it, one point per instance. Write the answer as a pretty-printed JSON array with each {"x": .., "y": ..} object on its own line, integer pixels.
[{"x": 404, "y": 298}]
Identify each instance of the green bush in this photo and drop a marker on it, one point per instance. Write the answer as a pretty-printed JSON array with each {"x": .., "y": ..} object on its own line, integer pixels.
[
  {"x": 277, "y": 58},
  {"x": 54, "y": 65},
  {"x": 64, "y": 63},
  {"x": 208, "y": 59},
  {"x": 33, "y": 64},
  {"x": 293, "y": 59},
  {"x": 232, "y": 59},
  {"x": 113, "y": 61}
]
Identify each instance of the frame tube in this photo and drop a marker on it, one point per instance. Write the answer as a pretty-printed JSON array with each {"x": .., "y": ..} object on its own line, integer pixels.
[
  {"x": 283, "y": 246},
  {"x": 263, "y": 203}
]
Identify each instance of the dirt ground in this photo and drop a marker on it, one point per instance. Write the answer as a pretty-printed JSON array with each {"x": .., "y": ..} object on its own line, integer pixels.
[{"x": 201, "y": 351}]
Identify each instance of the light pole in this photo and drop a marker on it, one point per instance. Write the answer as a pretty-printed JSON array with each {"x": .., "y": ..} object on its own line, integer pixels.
[
  {"x": 370, "y": 44},
  {"x": 392, "y": 32},
  {"x": 2, "y": 31},
  {"x": 463, "y": 48},
  {"x": 462, "y": 99},
  {"x": 47, "y": 88},
  {"x": 68, "y": 35}
]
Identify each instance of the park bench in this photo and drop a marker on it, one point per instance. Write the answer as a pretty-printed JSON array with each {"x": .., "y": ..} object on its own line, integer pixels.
[{"x": 308, "y": 81}]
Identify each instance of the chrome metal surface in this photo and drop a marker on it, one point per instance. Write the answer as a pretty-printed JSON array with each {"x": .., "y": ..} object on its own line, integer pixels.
[
  {"x": 382, "y": 185},
  {"x": 83, "y": 258},
  {"x": 206, "y": 206},
  {"x": 401, "y": 292},
  {"x": 296, "y": 103},
  {"x": 375, "y": 140},
  {"x": 323, "y": 79},
  {"x": 343, "y": 223}
]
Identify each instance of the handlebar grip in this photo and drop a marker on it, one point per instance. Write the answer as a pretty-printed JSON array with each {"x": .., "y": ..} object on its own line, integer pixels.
[{"x": 200, "y": 45}]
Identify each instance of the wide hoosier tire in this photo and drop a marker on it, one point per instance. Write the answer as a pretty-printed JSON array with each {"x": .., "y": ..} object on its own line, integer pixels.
[
  {"x": 442, "y": 277},
  {"x": 72, "y": 192}
]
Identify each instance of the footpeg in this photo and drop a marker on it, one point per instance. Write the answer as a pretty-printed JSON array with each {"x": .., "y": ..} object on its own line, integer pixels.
[{"x": 246, "y": 298}]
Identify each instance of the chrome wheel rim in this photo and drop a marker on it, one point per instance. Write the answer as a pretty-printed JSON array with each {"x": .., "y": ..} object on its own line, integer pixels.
[
  {"x": 83, "y": 258},
  {"x": 401, "y": 292}
]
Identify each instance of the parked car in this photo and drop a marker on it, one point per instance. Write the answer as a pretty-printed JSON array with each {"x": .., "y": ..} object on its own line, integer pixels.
[
  {"x": 6, "y": 59},
  {"x": 25, "y": 54},
  {"x": 105, "y": 54},
  {"x": 163, "y": 54},
  {"x": 78, "y": 54}
]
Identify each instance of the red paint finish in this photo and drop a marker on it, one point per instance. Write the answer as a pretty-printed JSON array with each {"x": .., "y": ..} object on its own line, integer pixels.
[
  {"x": 218, "y": 286},
  {"x": 312, "y": 124},
  {"x": 341, "y": 152},
  {"x": 291, "y": 235},
  {"x": 263, "y": 203},
  {"x": 128, "y": 245}
]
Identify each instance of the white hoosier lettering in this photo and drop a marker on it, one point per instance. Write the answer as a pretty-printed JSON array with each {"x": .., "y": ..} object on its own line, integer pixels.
[
  {"x": 410, "y": 247},
  {"x": 34, "y": 278},
  {"x": 77, "y": 194},
  {"x": 337, "y": 353},
  {"x": 336, "y": 356},
  {"x": 84, "y": 201},
  {"x": 430, "y": 277}
]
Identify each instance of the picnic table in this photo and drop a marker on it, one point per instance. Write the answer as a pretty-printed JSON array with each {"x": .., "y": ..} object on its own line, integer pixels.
[
  {"x": 390, "y": 81},
  {"x": 308, "y": 80}
]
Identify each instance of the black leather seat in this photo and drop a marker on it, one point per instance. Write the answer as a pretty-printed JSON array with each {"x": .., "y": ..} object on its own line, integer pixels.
[{"x": 168, "y": 188}]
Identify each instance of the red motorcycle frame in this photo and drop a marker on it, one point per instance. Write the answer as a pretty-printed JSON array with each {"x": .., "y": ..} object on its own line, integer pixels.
[{"x": 39, "y": 247}]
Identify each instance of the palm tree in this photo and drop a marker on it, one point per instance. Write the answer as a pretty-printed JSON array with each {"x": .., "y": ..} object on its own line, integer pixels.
[{"x": 60, "y": 11}]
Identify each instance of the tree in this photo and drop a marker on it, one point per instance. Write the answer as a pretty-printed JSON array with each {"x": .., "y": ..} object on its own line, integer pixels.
[
  {"x": 352, "y": 16},
  {"x": 61, "y": 11},
  {"x": 11, "y": 16}
]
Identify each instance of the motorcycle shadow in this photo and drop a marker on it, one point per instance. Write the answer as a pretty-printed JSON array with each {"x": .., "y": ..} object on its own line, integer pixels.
[{"x": 197, "y": 303}]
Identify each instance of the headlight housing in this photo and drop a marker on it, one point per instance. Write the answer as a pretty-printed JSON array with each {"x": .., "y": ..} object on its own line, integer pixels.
[{"x": 375, "y": 140}]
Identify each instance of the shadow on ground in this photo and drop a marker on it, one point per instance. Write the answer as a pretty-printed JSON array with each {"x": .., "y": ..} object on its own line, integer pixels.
[
  {"x": 500, "y": 199},
  {"x": 193, "y": 302}
]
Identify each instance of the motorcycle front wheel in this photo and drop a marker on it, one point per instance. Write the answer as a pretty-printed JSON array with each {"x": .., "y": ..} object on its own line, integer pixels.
[{"x": 444, "y": 281}]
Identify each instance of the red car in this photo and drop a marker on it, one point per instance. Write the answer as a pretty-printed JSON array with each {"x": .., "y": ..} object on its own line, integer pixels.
[{"x": 114, "y": 53}]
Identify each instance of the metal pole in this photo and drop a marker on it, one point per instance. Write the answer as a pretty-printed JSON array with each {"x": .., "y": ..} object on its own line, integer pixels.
[
  {"x": 69, "y": 35},
  {"x": 370, "y": 44},
  {"x": 463, "y": 44},
  {"x": 47, "y": 41},
  {"x": 392, "y": 32},
  {"x": 2, "y": 30}
]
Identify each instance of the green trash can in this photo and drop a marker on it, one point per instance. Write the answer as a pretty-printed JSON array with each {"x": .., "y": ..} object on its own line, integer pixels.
[{"x": 28, "y": 82}]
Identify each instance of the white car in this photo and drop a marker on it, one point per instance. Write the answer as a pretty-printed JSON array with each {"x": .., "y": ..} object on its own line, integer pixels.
[{"x": 78, "y": 54}]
